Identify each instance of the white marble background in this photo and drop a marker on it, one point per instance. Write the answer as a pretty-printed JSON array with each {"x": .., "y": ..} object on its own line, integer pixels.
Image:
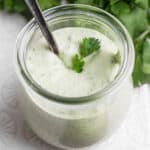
[{"x": 134, "y": 133}]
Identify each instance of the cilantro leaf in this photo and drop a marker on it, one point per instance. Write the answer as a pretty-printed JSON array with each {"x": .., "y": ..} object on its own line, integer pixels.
[
  {"x": 136, "y": 76},
  {"x": 146, "y": 57},
  {"x": 89, "y": 2},
  {"x": 139, "y": 77},
  {"x": 45, "y": 4},
  {"x": 120, "y": 8},
  {"x": 1, "y": 4},
  {"x": 77, "y": 63},
  {"x": 112, "y": 2},
  {"x": 88, "y": 46},
  {"x": 19, "y": 6},
  {"x": 142, "y": 3},
  {"x": 148, "y": 15},
  {"x": 132, "y": 19},
  {"x": 98, "y": 3},
  {"x": 141, "y": 72},
  {"x": 8, "y": 5}
]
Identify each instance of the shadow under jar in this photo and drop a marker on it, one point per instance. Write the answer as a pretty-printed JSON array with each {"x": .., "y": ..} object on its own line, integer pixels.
[{"x": 76, "y": 122}]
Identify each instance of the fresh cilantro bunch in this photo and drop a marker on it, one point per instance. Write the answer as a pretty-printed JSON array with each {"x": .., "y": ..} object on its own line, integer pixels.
[
  {"x": 87, "y": 47},
  {"x": 19, "y": 6}
]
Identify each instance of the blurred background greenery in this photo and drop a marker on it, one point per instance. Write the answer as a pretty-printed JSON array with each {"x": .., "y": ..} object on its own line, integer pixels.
[{"x": 134, "y": 14}]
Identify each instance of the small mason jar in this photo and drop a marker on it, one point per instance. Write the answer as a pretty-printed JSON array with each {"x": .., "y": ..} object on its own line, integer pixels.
[{"x": 76, "y": 122}]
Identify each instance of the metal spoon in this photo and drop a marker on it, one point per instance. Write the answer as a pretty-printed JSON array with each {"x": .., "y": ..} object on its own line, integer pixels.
[{"x": 36, "y": 11}]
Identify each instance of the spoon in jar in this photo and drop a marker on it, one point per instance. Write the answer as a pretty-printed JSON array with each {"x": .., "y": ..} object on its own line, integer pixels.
[{"x": 36, "y": 12}]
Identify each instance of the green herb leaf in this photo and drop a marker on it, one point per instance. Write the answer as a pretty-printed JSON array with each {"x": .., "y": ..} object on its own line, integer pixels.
[
  {"x": 19, "y": 6},
  {"x": 88, "y": 46},
  {"x": 84, "y": 1},
  {"x": 1, "y": 4},
  {"x": 137, "y": 71},
  {"x": 142, "y": 3},
  {"x": 146, "y": 57},
  {"x": 45, "y": 4},
  {"x": 112, "y": 2},
  {"x": 120, "y": 8},
  {"x": 139, "y": 77},
  {"x": 8, "y": 5},
  {"x": 77, "y": 63},
  {"x": 148, "y": 15},
  {"x": 132, "y": 23}
]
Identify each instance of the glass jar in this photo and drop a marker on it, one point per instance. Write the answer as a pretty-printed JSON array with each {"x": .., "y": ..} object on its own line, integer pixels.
[{"x": 76, "y": 122}]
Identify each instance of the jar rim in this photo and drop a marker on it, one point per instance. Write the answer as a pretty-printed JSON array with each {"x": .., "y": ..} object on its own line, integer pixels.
[{"x": 126, "y": 69}]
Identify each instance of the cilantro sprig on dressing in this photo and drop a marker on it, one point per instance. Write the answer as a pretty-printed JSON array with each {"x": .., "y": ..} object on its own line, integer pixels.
[{"x": 87, "y": 47}]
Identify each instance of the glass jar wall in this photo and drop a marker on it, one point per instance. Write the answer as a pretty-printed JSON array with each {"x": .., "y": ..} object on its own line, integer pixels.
[{"x": 78, "y": 121}]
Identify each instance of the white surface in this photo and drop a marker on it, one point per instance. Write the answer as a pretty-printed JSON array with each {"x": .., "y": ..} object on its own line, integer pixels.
[{"x": 134, "y": 133}]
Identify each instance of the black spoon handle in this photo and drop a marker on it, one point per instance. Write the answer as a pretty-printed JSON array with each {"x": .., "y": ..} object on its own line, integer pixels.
[{"x": 36, "y": 11}]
